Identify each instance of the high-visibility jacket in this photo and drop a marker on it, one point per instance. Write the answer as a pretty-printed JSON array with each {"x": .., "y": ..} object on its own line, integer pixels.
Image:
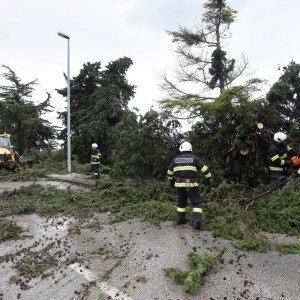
[
  {"x": 184, "y": 168},
  {"x": 95, "y": 157},
  {"x": 277, "y": 156}
]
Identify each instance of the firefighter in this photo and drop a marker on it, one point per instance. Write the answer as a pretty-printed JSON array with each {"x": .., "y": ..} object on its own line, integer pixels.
[
  {"x": 278, "y": 154},
  {"x": 182, "y": 174},
  {"x": 95, "y": 160}
]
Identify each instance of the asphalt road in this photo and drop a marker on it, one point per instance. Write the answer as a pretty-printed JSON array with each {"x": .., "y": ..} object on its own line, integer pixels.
[
  {"x": 92, "y": 259},
  {"x": 108, "y": 261}
]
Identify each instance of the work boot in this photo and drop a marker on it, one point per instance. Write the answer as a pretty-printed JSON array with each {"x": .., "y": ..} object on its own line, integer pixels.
[
  {"x": 196, "y": 219},
  {"x": 196, "y": 225},
  {"x": 180, "y": 216},
  {"x": 181, "y": 222}
]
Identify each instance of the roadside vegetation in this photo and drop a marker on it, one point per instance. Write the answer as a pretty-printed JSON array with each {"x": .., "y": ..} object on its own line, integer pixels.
[
  {"x": 231, "y": 133},
  {"x": 9, "y": 230},
  {"x": 224, "y": 207},
  {"x": 200, "y": 265}
]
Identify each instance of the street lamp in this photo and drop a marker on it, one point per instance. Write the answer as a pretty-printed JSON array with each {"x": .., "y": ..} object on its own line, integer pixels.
[{"x": 68, "y": 97}]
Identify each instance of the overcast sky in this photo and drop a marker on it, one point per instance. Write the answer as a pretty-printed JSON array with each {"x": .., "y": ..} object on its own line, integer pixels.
[{"x": 267, "y": 31}]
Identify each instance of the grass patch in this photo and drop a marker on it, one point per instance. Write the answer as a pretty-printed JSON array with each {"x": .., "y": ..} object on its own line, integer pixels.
[
  {"x": 34, "y": 264},
  {"x": 192, "y": 280},
  {"x": 95, "y": 225},
  {"x": 292, "y": 248},
  {"x": 141, "y": 279},
  {"x": 9, "y": 230},
  {"x": 255, "y": 243},
  {"x": 13, "y": 279}
]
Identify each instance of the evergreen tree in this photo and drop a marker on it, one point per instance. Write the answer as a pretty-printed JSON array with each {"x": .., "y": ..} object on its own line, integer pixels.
[
  {"x": 282, "y": 106},
  {"x": 227, "y": 137},
  {"x": 203, "y": 62},
  {"x": 21, "y": 117},
  {"x": 99, "y": 99},
  {"x": 146, "y": 145}
]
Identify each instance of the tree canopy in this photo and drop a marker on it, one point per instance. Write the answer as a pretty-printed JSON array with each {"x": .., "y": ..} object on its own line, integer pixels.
[
  {"x": 203, "y": 62},
  {"x": 99, "y": 99},
  {"x": 21, "y": 117}
]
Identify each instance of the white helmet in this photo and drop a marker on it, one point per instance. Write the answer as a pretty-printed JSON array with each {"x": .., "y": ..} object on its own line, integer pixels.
[
  {"x": 280, "y": 137},
  {"x": 94, "y": 146},
  {"x": 185, "y": 146}
]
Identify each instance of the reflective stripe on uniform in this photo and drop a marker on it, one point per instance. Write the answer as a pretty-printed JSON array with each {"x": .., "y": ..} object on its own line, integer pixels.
[
  {"x": 197, "y": 209},
  {"x": 170, "y": 172},
  {"x": 274, "y": 157},
  {"x": 95, "y": 162},
  {"x": 282, "y": 162},
  {"x": 289, "y": 148},
  {"x": 170, "y": 177},
  {"x": 207, "y": 175},
  {"x": 276, "y": 169},
  {"x": 204, "y": 169},
  {"x": 186, "y": 184},
  {"x": 284, "y": 155},
  {"x": 185, "y": 168},
  {"x": 180, "y": 209}
]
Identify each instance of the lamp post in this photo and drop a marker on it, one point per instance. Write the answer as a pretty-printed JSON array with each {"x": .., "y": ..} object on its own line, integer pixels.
[{"x": 68, "y": 110}]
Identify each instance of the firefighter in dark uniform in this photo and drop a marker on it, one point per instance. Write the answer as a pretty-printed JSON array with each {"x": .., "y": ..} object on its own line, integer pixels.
[
  {"x": 278, "y": 155},
  {"x": 95, "y": 160},
  {"x": 182, "y": 174}
]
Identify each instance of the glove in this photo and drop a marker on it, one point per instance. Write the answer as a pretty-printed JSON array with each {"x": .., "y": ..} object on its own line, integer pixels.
[
  {"x": 287, "y": 163},
  {"x": 211, "y": 183}
]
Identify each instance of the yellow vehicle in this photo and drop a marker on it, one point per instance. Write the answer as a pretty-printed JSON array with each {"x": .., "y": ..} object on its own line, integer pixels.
[{"x": 7, "y": 155}]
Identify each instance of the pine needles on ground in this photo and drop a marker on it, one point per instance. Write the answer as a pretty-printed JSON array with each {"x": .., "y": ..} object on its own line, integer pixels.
[{"x": 201, "y": 264}]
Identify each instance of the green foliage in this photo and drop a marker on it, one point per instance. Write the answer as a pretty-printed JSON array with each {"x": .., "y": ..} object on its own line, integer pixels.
[
  {"x": 34, "y": 264},
  {"x": 200, "y": 263},
  {"x": 146, "y": 199},
  {"x": 39, "y": 170},
  {"x": 228, "y": 128},
  {"x": 99, "y": 101},
  {"x": 141, "y": 278},
  {"x": 145, "y": 146},
  {"x": 218, "y": 8},
  {"x": 224, "y": 221},
  {"x": 292, "y": 248},
  {"x": 203, "y": 62},
  {"x": 192, "y": 283},
  {"x": 282, "y": 107},
  {"x": 9, "y": 230},
  {"x": 280, "y": 212},
  {"x": 255, "y": 243},
  {"x": 176, "y": 274},
  {"x": 203, "y": 261},
  {"x": 13, "y": 279},
  {"x": 21, "y": 117}
]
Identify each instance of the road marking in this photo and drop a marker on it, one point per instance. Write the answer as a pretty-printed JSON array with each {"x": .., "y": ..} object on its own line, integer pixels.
[{"x": 111, "y": 291}]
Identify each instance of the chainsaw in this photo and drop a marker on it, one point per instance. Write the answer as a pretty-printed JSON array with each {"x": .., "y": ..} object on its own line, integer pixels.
[{"x": 296, "y": 163}]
